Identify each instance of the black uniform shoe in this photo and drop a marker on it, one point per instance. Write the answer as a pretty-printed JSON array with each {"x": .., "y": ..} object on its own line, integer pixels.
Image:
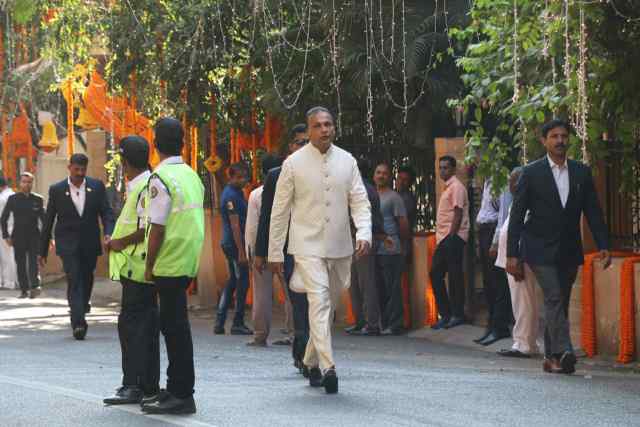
[
  {"x": 154, "y": 397},
  {"x": 330, "y": 381},
  {"x": 125, "y": 395},
  {"x": 218, "y": 330},
  {"x": 171, "y": 405},
  {"x": 241, "y": 330},
  {"x": 315, "y": 377},
  {"x": 79, "y": 333},
  {"x": 24, "y": 294},
  {"x": 34, "y": 293}
]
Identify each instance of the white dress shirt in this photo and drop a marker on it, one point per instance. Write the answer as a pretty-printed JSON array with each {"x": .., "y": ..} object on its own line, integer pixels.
[
  {"x": 253, "y": 218},
  {"x": 78, "y": 195},
  {"x": 160, "y": 201},
  {"x": 317, "y": 192},
  {"x": 489, "y": 207},
  {"x": 561, "y": 176}
]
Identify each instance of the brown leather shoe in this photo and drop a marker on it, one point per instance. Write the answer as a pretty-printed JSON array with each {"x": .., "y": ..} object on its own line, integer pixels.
[{"x": 551, "y": 366}]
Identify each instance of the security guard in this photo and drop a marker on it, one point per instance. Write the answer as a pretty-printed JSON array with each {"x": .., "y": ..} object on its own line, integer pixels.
[
  {"x": 138, "y": 320},
  {"x": 174, "y": 241},
  {"x": 27, "y": 209}
]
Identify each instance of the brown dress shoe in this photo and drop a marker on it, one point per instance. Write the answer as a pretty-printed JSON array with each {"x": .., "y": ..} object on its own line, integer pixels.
[{"x": 551, "y": 365}]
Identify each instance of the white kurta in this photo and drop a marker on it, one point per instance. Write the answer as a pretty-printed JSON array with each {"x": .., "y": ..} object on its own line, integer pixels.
[
  {"x": 8, "y": 275},
  {"x": 318, "y": 193},
  {"x": 524, "y": 301}
]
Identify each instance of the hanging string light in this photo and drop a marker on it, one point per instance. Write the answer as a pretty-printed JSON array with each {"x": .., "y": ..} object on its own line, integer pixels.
[
  {"x": 368, "y": 44},
  {"x": 288, "y": 105},
  {"x": 404, "y": 65},
  {"x": 334, "y": 63},
  {"x": 516, "y": 88},
  {"x": 583, "y": 101}
]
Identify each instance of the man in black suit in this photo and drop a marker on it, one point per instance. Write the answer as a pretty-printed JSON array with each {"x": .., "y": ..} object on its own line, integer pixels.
[
  {"x": 76, "y": 203},
  {"x": 27, "y": 209},
  {"x": 553, "y": 193},
  {"x": 299, "y": 303}
]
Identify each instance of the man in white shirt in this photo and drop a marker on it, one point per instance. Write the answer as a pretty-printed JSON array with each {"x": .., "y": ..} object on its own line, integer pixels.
[
  {"x": 262, "y": 280},
  {"x": 318, "y": 187},
  {"x": 7, "y": 260}
]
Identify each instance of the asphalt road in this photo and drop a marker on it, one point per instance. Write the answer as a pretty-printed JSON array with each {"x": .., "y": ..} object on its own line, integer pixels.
[{"x": 48, "y": 379}]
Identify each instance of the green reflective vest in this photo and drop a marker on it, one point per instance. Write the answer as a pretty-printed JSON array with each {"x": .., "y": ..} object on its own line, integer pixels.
[
  {"x": 130, "y": 262},
  {"x": 179, "y": 254}
]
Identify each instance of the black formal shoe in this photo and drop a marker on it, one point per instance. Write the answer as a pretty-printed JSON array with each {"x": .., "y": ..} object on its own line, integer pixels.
[
  {"x": 455, "y": 321},
  {"x": 568, "y": 362},
  {"x": 23, "y": 294},
  {"x": 160, "y": 396},
  {"x": 241, "y": 330},
  {"x": 355, "y": 328},
  {"x": 171, "y": 405},
  {"x": 330, "y": 381},
  {"x": 79, "y": 333},
  {"x": 283, "y": 341},
  {"x": 87, "y": 309},
  {"x": 218, "y": 330},
  {"x": 368, "y": 332},
  {"x": 315, "y": 377},
  {"x": 492, "y": 338},
  {"x": 513, "y": 353},
  {"x": 34, "y": 293},
  {"x": 440, "y": 324},
  {"x": 485, "y": 335},
  {"x": 393, "y": 331},
  {"x": 257, "y": 343},
  {"x": 305, "y": 371},
  {"x": 125, "y": 395}
]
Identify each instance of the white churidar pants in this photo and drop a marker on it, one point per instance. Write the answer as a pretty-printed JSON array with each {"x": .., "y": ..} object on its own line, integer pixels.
[
  {"x": 7, "y": 266},
  {"x": 526, "y": 312},
  {"x": 324, "y": 280}
]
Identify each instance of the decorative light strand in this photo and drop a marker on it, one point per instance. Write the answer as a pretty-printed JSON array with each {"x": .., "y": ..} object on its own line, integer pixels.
[
  {"x": 516, "y": 89},
  {"x": 404, "y": 64},
  {"x": 334, "y": 62},
  {"x": 583, "y": 101}
]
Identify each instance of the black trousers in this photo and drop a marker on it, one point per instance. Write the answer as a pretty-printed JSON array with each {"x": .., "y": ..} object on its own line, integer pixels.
[
  {"x": 175, "y": 327},
  {"x": 25, "y": 254},
  {"x": 300, "y": 313},
  {"x": 389, "y": 275},
  {"x": 79, "y": 268},
  {"x": 138, "y": 329},
  {"x": 495, "y": 283},
  {"x": 447, "y": 260}
]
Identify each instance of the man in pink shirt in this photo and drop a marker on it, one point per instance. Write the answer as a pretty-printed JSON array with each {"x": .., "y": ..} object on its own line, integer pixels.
[{"x": 452, "y": 232}]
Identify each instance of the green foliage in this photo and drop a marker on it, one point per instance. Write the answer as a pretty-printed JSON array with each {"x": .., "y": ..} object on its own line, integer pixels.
[{"x": 508, "y": 116}]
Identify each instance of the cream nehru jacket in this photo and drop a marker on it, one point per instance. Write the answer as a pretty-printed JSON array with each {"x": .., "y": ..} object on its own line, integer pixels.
[{"x": 318, "y": 192}]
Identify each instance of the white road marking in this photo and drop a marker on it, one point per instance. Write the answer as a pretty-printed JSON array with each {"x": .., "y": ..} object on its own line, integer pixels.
[{"x": 91, "y": 398}]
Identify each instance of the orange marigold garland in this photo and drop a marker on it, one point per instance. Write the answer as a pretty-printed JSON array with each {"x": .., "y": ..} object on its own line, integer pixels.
[
  {"x": 431, "y": 310},
  {"x": 627, "y": 310}
]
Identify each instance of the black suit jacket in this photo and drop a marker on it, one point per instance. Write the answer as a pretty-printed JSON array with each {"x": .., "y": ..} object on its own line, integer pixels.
[
  {"x": 268, "y": 194},
  {"x": 74, "y": 233},
  {"x": 551, "y": 234}
]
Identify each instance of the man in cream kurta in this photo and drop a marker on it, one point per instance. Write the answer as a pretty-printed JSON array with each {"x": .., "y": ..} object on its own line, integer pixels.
[{"x": 319, "y": 186}]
